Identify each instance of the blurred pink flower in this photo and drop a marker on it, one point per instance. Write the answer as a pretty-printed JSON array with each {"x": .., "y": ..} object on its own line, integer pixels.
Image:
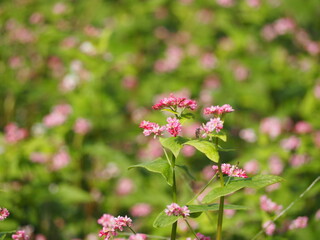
[
  {"x": 316, "y": 91},
  {"x": 171, "y": 61},
  {"x": 207, "y": 172},
  {"x": 140, "y": 210},
  {"x": 20, "y": 235},
  {"x": 240, "y": 72},
  {"x": 138, "y": 236},
  {"x": 302, "y": 127},
  {"x": 317, "y": 215},
  {"x": 316, "y": 139},
  {"x": 284, "y": 25},
  {"x": 82, "y": 126},
  {"x": 4, "y": 213},
  {"x": 152, "y": 150},
  {"x": 208, "y": 61},
  {"x": 124, "y": 187},
  {"x": 275, "y": 165},
  {"x": 251, "y": 167},
  {"x": 40, "y": 237},
  {"x": 69, "y": 82},
  {"x": 15, "y": 62},
  {"x": 129, "y": 82},
  {"x": 269, "y": 227},
  {"x": 272, "y": 187},
  {"x": 36, "y": 18},
  {"x": 14, "y": 134},
  {"x": 298, "y": 160},
  {"x": 271, "y": 126},
  {"x": 229, "y": 212},
  {"x": 190, "y": 130},
  {"x": 58, "y": 115},
  {"x": 106, "y": 220},
  {"x": 59, "y": 8},
  {"x": 248, "y": 134},
  {"x": 300, "y": 222},
  {"x": 211, "y": 82},
  {"x": 290, "y": 143},
  {"x": 254, "y": 3},
  {"x": 312, "y": 47},
  {"x": 188, "y": 151},
  {"x": 39, "y": 157},
  {"x": 204, "y": 16},
  {"x": 225, "y": 3},
  {"x": 268, "y": 32},
  {"x": 60, "y": 160},
  {"x": 267, "y": 205}
]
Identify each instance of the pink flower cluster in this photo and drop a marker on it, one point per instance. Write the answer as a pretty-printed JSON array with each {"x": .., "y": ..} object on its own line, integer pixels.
[
  {"x": 111, "y": 224},
  {"x": 58, "y": 115},
  {"x": 173, "y": 102},
  {"x": 215, "y": 124},
  {"x": 269, "y": 228},
  {"x": 14, "y": 134},
  {"x": 175, "y": 210},
  {"x": 300, "y": 222},
  {"x": 82, "y": 126},
  {"x": 20, "y": 235},
  {"x": 138, "y": 236},
  {"x": 4, "y": 213},
  {"x": 173, "y": 127},
  {"x": 267, "y": 205},
  {"x": 230, "y": 170},
  {"x": 217, "y": 110}
]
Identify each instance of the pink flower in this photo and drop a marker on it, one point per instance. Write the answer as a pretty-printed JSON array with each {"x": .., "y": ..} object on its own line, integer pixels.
[
  {"x": 175, "y": 210},
  {"x": 106, "y": 220},
  {"x": 317, "y": 215},
  {"x": 39, "y": 157},
  {"x": 215, "y": 124},
  {"x": 121, "y": 222},
  {"x": 208, "y": 61},
  {"x": 140, "y": 210},
  {"x": 251, "y": 167},
  {"x": 107, "y": 233},
  {"x": 82, "y": 126},
  {"x": 14, "y": 134},
  {"x": 290, "y": 143},
  {"x": 60, "y": 160},
  {"x": 173, "y": 102},
  {"x": 58, "y": 115},
  {"x": 298, "y": 160},
  {"x": 271, "y": 126},
  {"x": 20, "y": 235},
  {"x": 225, "y": 3},
  {"x": 248, "y": 135},
  {"x": 275, "y": 165},
  {"x": 150, "y": 127},
  {"x": 125, "y": 186},
  {"x": 138, "y": 236},
  {"x": 217, "y": 110},
  {"x": 269, "y": 227},
  {"x": 284, "y": 25},
  {"x": 4, "y": 213},
  {"x": 300, "y": 222},
  {"x": 267, "y": 205},
  {"x": 188, "y": 151},
  {"x": 230, "y": 170},
  {"x": 253, "y": 3},
  {"x": 173, "y": 126},
  {"x": 302, "y": 127},
  {"x": 202, "y": 237}
]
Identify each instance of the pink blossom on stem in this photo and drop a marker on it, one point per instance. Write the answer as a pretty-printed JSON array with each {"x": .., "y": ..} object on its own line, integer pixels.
[
  {"x": 175, "y": 102},
  {"x": 39, "y": 157},
  {"x": 302, "y": 127},
  {"x": 107, "y": 233},
  {"x": 111, "y": 225},
  {"x": 20, "y": 235},
  {"x": 14, "y": 134},
  {"x": 121, "y": 222},
  {"x": 269, "y": 227},
  {"x": 275, "y": 165},
  {"x": 175, "y": 210},
  {"x": 217, "y": 110},
  {"x": 202, "y": 237},
  {"x": 251, "y": 167},
  {"x": 150, "y": 127},
  {"x": 300, "y": 222},
  {"x": 298, "y": 160},
  {"x": 230, "y": 170},
  {"x": 271, "y": 126},
  {"x": 267, "y": 205},
  {"x": 138, "y": 236},
  {"x": 125, "y": 186},
  {"x": 215, "y": 124},
  {"x": 60, "y": 160},
  {"x": 4, "y": 213},
  {"x": 225, "y": 3},
  {"x": 248, "y": 134},
  {"x": 173, "y": 126},
  {"x": 82, "y": 126},
  {"x": 58, "y": 115},
  {"x": 106, "y": 220},
  {"x": 290, "y": 143},
  {"x": 188, "y": 151}
]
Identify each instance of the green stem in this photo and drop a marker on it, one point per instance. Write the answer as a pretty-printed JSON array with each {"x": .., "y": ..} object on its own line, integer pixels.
[
  {"x": 221, "y": 203},
  {"x": 191, "y": 229},
  {"x": 174, "y": 196},
  {"x": 134, "y": 232}
]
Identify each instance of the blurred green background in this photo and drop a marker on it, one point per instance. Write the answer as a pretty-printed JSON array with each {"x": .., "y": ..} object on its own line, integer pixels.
[{"x": 77, "y": 78}]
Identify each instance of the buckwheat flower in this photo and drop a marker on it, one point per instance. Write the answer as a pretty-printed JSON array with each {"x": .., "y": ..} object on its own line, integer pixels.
[
  {"x": 151, "y": 128},
  {"x": 175, "y": 210},
  {"x": 106, "y": 220},
  {"x": 302, "y": 127},
  {"x": 202, "y": 237},
  {"x": 60, "y": 160},
  {"x": 290, "y": 143},
  {"x": 300, "y": 222},
  {"x": 140, "y": 210},
  {"x": 230, "y": 170},
  {"x": 14, "y": 134},
  {"x": 173, "y": 102},
  {"x": 138, "y": 236},
  {"x": 121, "y": 222},
  {"x": 251, "y": 167},
  {"x": 124, "y": 187},
  {"x": 268, "y": 205},
  {"x": 317, "y": 215},
  {"x": 20, "y": 235},
  {"x": 107, "y": 233},
  {"x": 82, "y": 126},
  {"x": 269, "y": 227},
  {"x": 4, "y": 213},
  {"x": 173, "y": 126},
  {"x": 275, "y": 165},
  {"x": 215, "y": 124},
  {"x": 271, "y": 126}
]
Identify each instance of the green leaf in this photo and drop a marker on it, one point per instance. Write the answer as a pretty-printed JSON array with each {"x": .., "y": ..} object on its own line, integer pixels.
[
  {"x": 187, "y": 115},
  {"x": 225, "y": 149},
  {"x": 222, "y": 135},
  {"x": 4, "y": 234},
  {"x": 163, "y": 220},
  {"x": 206, "y": 147},
  {"x": 235, "y": 184},
  {"x": 185, "y": 169},
  {"x": 159, "y": 165},
  {"x": 174, "y": 144},
  {"x": 169, "y": 110}
]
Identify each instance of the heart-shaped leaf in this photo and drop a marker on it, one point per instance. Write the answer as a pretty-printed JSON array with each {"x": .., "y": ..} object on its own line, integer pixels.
[
  {"x": 235, "y": 184},
  {"x": 174, "y": 144},
  {"x": 159, "y": 165},
  {"x": 206, "y": 147}
]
